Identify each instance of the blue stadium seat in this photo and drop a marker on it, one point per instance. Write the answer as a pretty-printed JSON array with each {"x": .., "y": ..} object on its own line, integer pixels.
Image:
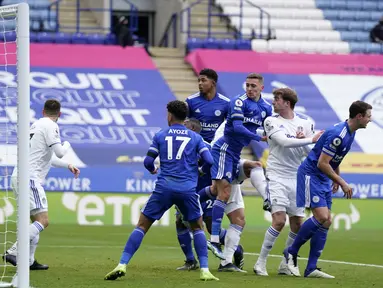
[
  {"x": 33, "y": 37},
  {"x": 44, "y": 37},
  {"x": 226, "y": 44},
  {"x": 195, "y": 43},
  {"x": 79, "y": 38},
  {"x": 63, "y": 38},
  {"x": 10, "y": 36},
  {"x": 111, "y": 39},
  {"x": 243, "y": 44},
  {"x": 211, "y": 43},
  {"x": 357, "y": 47},
  {"x": 374, "y": 48},
  {"x": 95, "y": 38}
]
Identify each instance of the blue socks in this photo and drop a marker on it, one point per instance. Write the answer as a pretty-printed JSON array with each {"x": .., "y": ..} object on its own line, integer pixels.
[
  {"x": 132, "y": 245},
  {"x": 185, "y": 241}
]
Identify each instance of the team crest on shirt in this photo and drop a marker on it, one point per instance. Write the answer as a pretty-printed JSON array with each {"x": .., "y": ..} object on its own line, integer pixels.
[
  {"x": 337, "y": 141},
  {"x": 299, "y": 129},
  {"x": 217, "y": 113},
  {"x": 263, "y": 114},
  {"x": 238, "y": 103},
  {"x": 228, "y": 174},
  {"x": 268, "y": 125}
]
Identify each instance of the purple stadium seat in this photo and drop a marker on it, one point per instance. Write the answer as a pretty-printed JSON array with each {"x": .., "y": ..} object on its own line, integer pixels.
[
  {"x": 111, "y": 39},
  {"x": 211, "y": 43},
  {"x": 243, "y": 44},
  {"x": 195, "y": 43},
  {"x": 226, "y": 44},
  {"x": 33, "y": 37}
]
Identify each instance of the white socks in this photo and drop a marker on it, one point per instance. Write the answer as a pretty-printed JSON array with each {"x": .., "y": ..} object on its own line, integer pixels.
[
  {"x": 270, "y": 236},
  {"x": 232, "y": 238}
]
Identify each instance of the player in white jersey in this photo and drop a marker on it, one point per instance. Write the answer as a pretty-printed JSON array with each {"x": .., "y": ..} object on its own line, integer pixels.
[
  {"x": 45, "y": 151},
  {"x": 285, "y": 156},
  {"x": 235, "y": 208}
]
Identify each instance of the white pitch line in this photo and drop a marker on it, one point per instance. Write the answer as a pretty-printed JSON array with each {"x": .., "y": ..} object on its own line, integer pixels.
[{"x": 246, "y": 253}]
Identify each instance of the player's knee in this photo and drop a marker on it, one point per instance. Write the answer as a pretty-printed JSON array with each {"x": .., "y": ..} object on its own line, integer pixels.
[
  {"x": 328, "y": 223},
  {"x": 279, "y": 220},
  {"x": 180, "y": 224}
]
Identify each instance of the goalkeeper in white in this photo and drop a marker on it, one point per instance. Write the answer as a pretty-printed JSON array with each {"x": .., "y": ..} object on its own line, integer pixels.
[
  {"x": 45, "y": 151},
  {"x": 286, "y": 154}
]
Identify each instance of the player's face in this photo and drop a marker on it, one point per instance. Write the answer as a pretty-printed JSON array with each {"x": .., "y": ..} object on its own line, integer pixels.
[
  {"x": 188, "y": 124},
  {"x": 279, "y": 104},
  {"x": 253, "y": 88},
  {"x": 205, "y": 84},
  {"x": 364, "y": 120}
]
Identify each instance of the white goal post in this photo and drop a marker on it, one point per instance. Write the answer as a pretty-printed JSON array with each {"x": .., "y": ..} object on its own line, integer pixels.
[{"x": 16, "y": 53}]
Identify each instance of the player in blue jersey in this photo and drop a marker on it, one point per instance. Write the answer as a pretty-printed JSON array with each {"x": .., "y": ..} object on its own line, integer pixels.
[
  {"x": 178, "y": 149},
  {"x": 208, "y": 106},
  {"x": 246, "y": 114},
  {"x": 314, "y": 187}
]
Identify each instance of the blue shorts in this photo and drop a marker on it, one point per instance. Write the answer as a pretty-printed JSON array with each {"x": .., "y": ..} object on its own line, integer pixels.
[
  {"x": 313, "y": 192},
  {"x": 226, "y": 163},
  {"x": 158, "y": 203}
]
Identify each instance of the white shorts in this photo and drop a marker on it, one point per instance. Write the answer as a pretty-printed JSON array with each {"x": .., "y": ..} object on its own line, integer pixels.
[
  {"x": 236, "y": 200},
  {"x": 37, "y": 198},
  {"x": 283, "y": 194}
]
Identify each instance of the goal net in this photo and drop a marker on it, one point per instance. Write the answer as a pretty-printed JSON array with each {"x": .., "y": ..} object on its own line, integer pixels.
[{"x": 14, "y": 141}]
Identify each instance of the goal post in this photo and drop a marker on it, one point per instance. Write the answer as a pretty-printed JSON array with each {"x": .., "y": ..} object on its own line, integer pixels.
[{"x": 15, "y": 52}]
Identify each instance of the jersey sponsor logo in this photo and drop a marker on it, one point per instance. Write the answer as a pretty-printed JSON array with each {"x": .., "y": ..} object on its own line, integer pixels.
[
  {"x": 238, "y": 103},
  {"x": 252, "y": 120},
  {"x": 209, "y": 125}
]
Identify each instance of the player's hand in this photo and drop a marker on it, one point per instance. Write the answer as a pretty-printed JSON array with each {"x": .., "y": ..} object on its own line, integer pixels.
[
  {"x": 317, "y": 136},
  {"x": 335, "y": 187},
  {"x": 264, "y": 138},
  {"x": 347, "y": 190},
  {"x": 74, "y": 170},
  {"x": 300, "y": 135},
  {"x": 267, "y": 205},
  {"x": 154, "y": 171}
]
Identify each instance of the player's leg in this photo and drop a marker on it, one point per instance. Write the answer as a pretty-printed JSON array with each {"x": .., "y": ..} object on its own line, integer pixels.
[
  {"x": 39, "y": 219},
  {"x": 317, "y": 244},
  {"x": 311, "y": 192},
  {"x": 190, "y": 207},
  {"x": 235, "y": 211},
  {"x": 279, "y": 201},
  {"x": 185, "y": 241},
  {"x": 156, "y": 206},
  {"x": 296, "y": 216},
  {"x": 224, "y": 166}
]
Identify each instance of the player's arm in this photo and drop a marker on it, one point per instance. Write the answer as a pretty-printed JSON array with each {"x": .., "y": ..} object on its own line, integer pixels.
[
  {"x": 204, "y": 152},
  {"x": 59, "y": 163},
  {"x": 188, "y": 104},
  {"x": 236, "y": 115},
  {"x": 331, "y": 146},
  {"x": 52, "y": 138},
  {"x": 151, "y": 156},
  {"x": 325, "y": 167},
  {"x": 309, "y": 132}
]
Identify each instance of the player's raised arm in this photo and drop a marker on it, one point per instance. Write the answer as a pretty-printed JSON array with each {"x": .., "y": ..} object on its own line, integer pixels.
[
  {"x": 236, "y": 114},
  {"x": 151, "y": 155},
  {"x": 204, "y": 152},
  {"x": 278, "y": 135}
]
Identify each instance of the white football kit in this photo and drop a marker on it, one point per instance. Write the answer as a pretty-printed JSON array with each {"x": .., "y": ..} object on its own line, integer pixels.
[
  {"x": 44, "y": 133},
  {"x": 283, "y": 161}
]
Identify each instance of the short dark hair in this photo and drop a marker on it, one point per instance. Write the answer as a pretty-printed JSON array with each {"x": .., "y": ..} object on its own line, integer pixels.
[
  {"x": 255, "y": 76},
  {"x": 178, "y": 109},
  {"x": 287, "y": 94},
  {"x": 358, "y": 107},
  {"x": 209, "y": 73},
  {"x": 196, "y": 125},
  {"x": 52, "y": 107}
]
